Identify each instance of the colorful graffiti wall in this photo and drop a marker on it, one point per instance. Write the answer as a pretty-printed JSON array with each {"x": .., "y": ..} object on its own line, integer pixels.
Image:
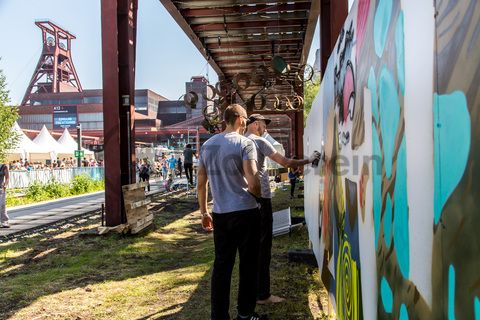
[{"x": 394, "y": 213}]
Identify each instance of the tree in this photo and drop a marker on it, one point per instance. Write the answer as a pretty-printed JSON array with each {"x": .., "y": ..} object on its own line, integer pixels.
[
  {"x": 8, "y": 116},
  {"x": 309, "y": 93}
]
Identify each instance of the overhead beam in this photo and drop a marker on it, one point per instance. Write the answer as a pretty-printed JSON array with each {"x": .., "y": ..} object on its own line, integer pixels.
[
  {"x": 260, "y": 17},
  {"x": 177, "y": 16},
  {"x": 222, "y": 3},
  {"x": 260, "y": 8}
]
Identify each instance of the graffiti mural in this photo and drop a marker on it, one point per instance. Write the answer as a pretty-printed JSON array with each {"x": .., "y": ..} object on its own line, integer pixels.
[{"x": 398, "y": 116}]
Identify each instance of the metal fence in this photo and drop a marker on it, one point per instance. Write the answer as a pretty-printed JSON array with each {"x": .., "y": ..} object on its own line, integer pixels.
[{"x": 23, "y": 179}]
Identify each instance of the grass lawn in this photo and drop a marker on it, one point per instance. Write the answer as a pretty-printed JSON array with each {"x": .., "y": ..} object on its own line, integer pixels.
[{"x": 163, "y": 274}]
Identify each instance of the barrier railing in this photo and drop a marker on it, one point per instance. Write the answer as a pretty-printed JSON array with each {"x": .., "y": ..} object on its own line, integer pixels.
[{"x": 23, "y": 179}]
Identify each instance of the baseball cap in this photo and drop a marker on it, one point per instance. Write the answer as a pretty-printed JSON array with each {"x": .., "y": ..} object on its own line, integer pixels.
[{"x": 256, "y": 116}]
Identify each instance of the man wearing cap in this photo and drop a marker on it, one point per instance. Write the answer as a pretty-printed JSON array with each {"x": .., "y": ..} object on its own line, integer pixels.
[
  {"x": 228, "y": 161},
  {"x": 256, "y": 128}
]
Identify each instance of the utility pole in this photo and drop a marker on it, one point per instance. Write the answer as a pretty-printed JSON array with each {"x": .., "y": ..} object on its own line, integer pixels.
[{"x": 79, "y": 144}]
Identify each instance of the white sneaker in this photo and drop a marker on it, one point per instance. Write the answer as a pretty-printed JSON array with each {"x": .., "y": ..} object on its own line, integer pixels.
[{"x": 5, "y": 225}]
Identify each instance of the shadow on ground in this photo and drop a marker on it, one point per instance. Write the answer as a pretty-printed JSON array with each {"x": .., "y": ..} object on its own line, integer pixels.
[{"x": 90, "y": 269}]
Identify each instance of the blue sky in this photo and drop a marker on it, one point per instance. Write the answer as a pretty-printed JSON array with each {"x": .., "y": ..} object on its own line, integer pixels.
[{"x": 166, "y": 58}]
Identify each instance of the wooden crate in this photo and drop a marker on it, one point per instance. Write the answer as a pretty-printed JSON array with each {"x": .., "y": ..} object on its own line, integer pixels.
[{"x": 136, "y": 207}]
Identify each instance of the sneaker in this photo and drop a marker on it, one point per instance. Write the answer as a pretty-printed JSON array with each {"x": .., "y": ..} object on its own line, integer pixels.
[
  {"x": 5, "y": 225},
  {"x": 254, "y": 316}
]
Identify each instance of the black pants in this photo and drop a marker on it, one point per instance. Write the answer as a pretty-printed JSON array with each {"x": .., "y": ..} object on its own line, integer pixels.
[
  {"x": 292, "y": 186},
  {"x": 265, "y": 249},
  {"x": 231, "y": 232},
  {"x": 189, "y": 172},
  {"x": 146, "y": 178}
]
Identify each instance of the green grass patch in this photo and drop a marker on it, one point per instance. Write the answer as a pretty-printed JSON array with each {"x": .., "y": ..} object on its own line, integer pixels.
[
  {"x": 164, "y": 274},
  {"x": 54, "y": 190}
]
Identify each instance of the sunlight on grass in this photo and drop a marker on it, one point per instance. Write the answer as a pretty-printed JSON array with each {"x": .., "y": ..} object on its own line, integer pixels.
[{"x": 161, "y": 293}]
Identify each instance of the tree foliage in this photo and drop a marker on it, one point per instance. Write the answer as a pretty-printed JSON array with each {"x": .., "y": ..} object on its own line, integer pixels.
[
  {"x": 8, "y": 116},
  {"x": 309, "y": 93}
]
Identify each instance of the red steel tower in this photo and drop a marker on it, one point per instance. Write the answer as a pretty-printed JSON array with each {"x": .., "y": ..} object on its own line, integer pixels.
[{"x": 55, "y": 71}]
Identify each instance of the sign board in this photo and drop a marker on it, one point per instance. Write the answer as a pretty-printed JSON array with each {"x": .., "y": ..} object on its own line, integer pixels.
[
  {"x": 95, "y": 147},
  {"x": 64, "y": 117},
  {"x": 79, "y": 153}
]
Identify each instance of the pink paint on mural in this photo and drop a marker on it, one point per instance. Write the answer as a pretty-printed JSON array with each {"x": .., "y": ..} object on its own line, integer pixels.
[{"x": 362, "y": 15}]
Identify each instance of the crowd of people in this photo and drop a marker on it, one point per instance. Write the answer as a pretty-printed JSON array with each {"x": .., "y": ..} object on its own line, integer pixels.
[
  {"x": 242, "y": 217},
  {"x": 167, "y": 168},
  {"x": 64, "y": 163}
]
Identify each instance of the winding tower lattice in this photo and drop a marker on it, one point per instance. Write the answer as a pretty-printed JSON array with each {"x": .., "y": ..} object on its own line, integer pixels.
[{"x": 55, "y": 71}]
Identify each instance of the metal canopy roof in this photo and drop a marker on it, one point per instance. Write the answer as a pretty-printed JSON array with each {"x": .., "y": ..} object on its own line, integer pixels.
[{"x": 239, "y": 36}]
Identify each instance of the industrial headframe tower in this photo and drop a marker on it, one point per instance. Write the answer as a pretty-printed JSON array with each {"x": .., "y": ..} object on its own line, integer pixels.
[{"x": 55, "y": 71}]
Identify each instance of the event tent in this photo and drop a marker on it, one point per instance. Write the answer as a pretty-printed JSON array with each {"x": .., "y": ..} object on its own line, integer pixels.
[
  {"x": 67, "y": 141},
  {"x": 25, "y": 148},
  {"x": 45, "y": 140}
]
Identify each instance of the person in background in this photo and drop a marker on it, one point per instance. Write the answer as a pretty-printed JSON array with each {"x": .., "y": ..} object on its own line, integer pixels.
[
  {"x": 145, "y": 173},
  {"x": 164, "y": 170},
  {"x": 257, "y": 125},
  {"x": 188, "y": 154},
  {"x": 172, "y": 165},
  {"x": 179, "y": 166},
  {"x": 4, "y": 177},
  {"x": 293, "y": 172},
  {"x": 235, "y": 218}
]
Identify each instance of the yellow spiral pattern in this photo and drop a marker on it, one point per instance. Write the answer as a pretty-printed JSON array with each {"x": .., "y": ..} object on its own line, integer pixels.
[{"x": 347, "y": 283}]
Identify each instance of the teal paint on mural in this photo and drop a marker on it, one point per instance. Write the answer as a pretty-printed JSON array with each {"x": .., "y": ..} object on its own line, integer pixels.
[
  {"x": 399, "y": 45},
  {"x": 451, "y": 293},
  {"x": 477, "y": 308},
  {"x": 389, "y": 116},
  {"x": 387, "y": 221},
  {"x": 383, "y": 15},
  {"x": 403, "y": 313},
  {"x": 372, "y": 86},
  {"x": 377, "y": 184},
  {"x": 387, "y": 295},
  {"x": 400, "y": 212},
  {"x": 451, "y": 133}
]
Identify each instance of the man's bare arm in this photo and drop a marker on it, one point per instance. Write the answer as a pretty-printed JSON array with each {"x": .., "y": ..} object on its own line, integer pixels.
[
  {"x": 287, "y": 162},
  {"x": 251, "y": 173},
  {"x": 202, "y": 188}
]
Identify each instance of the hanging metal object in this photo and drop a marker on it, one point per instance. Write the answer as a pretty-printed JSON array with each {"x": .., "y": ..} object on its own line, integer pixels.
[
  {"x": 297, "y": 102},
  {"x": 241, "y": 81},
  {"x": 259, "y": 101},
  {"x": 305, "y": 73},
  {"x": 280, "y": 66},
  {"x": 212, "y": 95},
  {"x": 190, "y": 99}
]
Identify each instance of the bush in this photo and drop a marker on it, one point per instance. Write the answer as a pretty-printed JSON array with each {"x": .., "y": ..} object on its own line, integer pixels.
[
  {"x": 84, "y": 183},
  {"x": 54, "y": 189},
  {"x": 36, "y": 192}
]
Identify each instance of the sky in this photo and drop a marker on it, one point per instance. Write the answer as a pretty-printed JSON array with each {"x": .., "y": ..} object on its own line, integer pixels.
[{"x": 166, "y": 58}]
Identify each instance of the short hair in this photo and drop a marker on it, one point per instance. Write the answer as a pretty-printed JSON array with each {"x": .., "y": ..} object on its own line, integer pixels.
[
  {"x": 189, "y": 145},
  {"x": 232, "y": 112}
]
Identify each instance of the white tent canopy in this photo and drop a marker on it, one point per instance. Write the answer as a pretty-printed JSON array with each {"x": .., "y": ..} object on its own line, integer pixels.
[
  {"x": 67, "y": 141},
  {"x": 45, "y": 140},
  {"x": 26, "y": 149}
]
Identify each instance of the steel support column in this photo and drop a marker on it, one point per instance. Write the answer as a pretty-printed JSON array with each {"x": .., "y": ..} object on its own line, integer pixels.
[
  {"x": 332, "y": 17},
  {"x": 119, "y": 20},
  {"x": 296, "y": 137}
]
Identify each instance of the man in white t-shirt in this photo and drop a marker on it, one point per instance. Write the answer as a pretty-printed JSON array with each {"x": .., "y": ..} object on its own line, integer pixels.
[{"x": 256, "y": 127}]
